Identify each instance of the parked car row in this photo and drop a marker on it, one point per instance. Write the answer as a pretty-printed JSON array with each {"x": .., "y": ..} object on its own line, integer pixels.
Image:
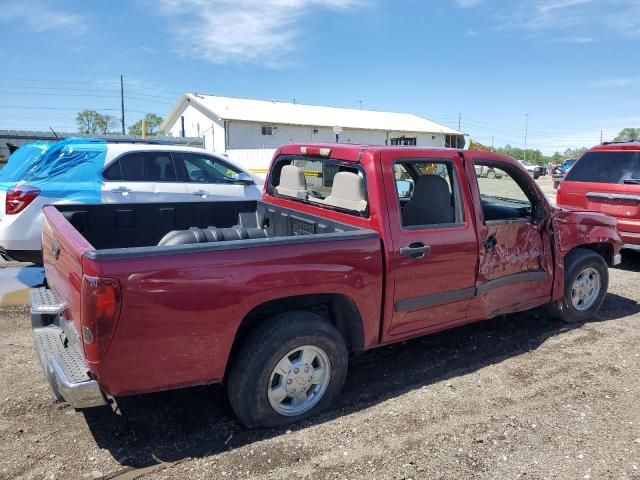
[
  {"x": 536, "y": 171},
  {"x": 350, "y": 248}
]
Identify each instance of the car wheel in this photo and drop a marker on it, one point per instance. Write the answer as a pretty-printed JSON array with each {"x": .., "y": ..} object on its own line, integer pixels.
[
  {"x": 586, "y": 280},
  {"x": 292, "y": 367}
]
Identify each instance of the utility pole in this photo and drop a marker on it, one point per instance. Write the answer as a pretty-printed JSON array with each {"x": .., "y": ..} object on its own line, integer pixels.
[
  {"x": 459, "y": 121},
  {"x": 492, "y": 143},
  {"x": 360, "y": 102},
  {"x": 526, "y": 131},
  {"x": 122, "y": 103},
  {"x": 600, "y": 137}
]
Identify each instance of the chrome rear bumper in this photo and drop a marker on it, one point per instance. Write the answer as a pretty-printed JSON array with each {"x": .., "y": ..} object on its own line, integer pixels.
[{"x": 61, "y": 357}]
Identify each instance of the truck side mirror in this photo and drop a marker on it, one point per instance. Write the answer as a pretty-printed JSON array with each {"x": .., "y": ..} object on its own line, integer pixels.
[{"x": 405, "y": 188}]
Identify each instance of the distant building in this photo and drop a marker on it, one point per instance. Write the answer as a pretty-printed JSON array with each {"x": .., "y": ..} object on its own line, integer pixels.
[
  {"x": 17, "y": 138},
  {"x": 249, "y": 131}
]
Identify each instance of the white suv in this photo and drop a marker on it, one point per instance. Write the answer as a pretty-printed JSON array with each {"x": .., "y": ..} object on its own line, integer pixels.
[{"x": 85, "y": 171}]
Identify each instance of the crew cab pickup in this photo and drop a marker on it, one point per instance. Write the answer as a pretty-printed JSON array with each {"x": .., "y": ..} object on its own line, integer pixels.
[{"x": 351, "y": 247}]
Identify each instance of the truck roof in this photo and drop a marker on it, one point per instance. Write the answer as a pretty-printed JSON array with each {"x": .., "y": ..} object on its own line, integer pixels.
[{"x": 352, "y": 152}]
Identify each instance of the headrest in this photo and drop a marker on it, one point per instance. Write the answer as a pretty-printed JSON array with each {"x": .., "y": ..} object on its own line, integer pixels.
[
  {"x": 292, "y": 182},
  {"x": 348, "y": 192},
  {"x": 432, "y": 188}
]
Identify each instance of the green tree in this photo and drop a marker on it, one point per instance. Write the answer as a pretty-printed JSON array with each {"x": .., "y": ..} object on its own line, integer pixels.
[
  {"x": 151, "y": 123},
  {"x": 628, "y": 135},
  {"x": 533, "y": 156},
  {"x": 91, "y": 122}
]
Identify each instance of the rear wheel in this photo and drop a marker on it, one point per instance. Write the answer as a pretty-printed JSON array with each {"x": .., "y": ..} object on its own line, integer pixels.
[
  {"x": 586, "y": 280},
  {"x": 290, "y": 368}
]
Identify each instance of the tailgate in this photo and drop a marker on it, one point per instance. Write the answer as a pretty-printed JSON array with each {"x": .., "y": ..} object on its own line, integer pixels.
[
  {"x": 62, "y": 250},
  {"x": 620, "y": 201}
]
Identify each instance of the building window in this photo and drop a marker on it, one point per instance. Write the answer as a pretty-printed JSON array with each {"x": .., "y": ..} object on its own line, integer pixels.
[
  {"x": 267, "y": 130},
  {"x": 404, "y": 141},
  {"x": 454, "y": 141}
]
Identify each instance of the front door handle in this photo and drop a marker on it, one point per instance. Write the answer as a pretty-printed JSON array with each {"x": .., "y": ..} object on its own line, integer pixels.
[
  {"x": 415, "y": 250},
  {"x": 200, "y": 193},
  {"x": 122, "y": 190}
]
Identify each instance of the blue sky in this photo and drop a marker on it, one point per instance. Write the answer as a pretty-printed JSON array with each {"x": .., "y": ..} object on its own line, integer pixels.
[{"x": 572, "y": 65}]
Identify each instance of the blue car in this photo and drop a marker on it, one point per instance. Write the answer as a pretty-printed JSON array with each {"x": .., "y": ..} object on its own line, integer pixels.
[{"x": 561, "y": 170}]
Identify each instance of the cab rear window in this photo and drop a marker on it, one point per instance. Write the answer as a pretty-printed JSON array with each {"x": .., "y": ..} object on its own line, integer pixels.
[
  {"x": 607, "y": 167},
  {"x": 325, "y": 182}
]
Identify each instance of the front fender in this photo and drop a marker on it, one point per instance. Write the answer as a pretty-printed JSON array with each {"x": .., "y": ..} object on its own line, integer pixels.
[{"x": 575, "y": 229}]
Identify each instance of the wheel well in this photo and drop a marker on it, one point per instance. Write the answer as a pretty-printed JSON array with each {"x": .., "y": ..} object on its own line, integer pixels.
[
  {"x": 339, "y": 310},
  {"x": 605, "y": 250}
]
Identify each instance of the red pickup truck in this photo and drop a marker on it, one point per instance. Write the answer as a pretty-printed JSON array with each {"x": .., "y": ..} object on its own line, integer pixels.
[{"x": 351, "y": 248}]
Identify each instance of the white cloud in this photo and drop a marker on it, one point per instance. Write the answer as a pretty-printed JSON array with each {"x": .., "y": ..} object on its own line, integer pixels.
[
  {"x": 616, "y": 82},
  {"x": 574, "y": 21},
  {"x": 40, "y": 16},
  {"x": 242, "y": 31},
  {"x": 467, "y": 3}
]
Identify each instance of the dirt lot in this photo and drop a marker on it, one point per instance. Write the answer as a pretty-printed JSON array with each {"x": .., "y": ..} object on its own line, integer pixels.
[{"x": 517, "y": 396}]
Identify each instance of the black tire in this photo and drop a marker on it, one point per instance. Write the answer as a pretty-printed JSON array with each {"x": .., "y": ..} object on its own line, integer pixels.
[
  {"x": 250, "y": 373},
  {"x": 575, "y": 263}
]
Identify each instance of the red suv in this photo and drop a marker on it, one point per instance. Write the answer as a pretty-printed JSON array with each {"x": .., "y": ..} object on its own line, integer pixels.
[{"x": 607, "y": 179}]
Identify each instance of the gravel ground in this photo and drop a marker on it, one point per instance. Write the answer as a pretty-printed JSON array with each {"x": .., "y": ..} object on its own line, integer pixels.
[{"x": 516, "y": 396}]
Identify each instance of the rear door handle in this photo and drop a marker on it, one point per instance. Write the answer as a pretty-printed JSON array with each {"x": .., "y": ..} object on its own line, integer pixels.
[
  {"x": 415, "y": 250},
  {"x": 122, "y": 190},
  {"x": 200, "y": 193}
]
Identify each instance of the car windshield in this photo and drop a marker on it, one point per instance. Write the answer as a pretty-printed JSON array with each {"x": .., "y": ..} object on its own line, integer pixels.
[{"x": 606, "y": 167}]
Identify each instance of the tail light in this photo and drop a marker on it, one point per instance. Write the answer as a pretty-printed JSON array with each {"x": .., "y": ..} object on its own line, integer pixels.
[
  {"x": 100, "y": 311},
  {"x": 19, "y": 198}
]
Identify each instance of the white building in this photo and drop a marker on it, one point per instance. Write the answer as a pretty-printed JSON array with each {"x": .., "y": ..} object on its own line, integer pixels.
[{"x": 248, "y": 131}]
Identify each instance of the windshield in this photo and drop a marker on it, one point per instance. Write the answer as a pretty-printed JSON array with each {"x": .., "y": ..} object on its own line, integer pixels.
[{"x": 607, "y": 167}]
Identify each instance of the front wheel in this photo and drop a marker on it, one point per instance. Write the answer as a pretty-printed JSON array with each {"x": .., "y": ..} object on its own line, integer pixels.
[
  {"x": 586, "y": 280},
  {"x": 290, "y": 368}
]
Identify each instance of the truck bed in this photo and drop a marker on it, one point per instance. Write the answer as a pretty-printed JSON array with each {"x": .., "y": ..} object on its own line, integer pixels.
[
  {"x": 115, "y": 230},
  {"x": 182, "y": 306}
]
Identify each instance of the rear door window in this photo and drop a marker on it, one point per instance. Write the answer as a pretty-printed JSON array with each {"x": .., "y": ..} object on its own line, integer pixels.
[
  {"x": 426, "y": 193},
  {"x": 607, "y": 167},
  {"x": 142, "y": 167}
]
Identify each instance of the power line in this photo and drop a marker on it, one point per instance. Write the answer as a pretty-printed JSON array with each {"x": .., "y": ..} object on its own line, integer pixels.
[
  {"x": 40, "y": 107},
  {"x": 80, "y": 82},
  {"x": 148, "y": 100},
  {"x": 64, "y": 94}
]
